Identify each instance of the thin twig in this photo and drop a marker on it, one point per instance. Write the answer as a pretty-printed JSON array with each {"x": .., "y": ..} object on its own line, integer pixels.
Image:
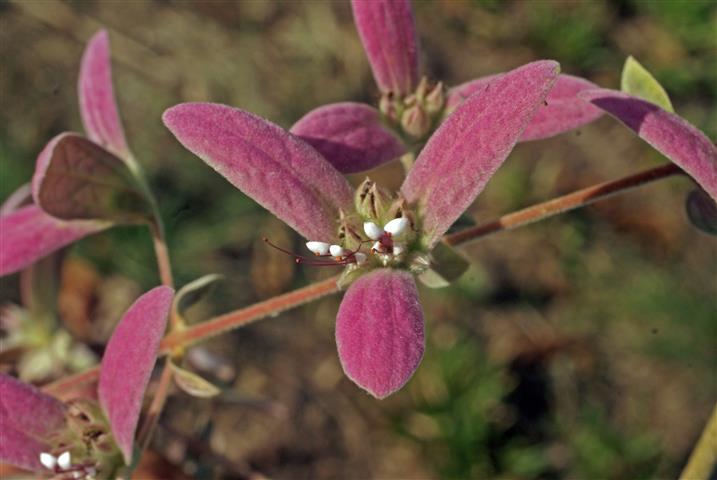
[
  {"x": 162, "y": 253},
  {"x": 156, "y": 407},
  {"x": 563, "y": 204},
  {"x": 243, "y": 316}
]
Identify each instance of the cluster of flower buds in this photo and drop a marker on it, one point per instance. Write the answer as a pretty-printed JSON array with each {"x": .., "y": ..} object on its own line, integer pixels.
[{"x": 416, "y": 113}]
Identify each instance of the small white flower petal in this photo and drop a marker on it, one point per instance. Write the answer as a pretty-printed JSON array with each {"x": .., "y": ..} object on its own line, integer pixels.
[
  {"x": 377, "y": 247},
  {"x": 48, "y": 460},
  {"x": 398, "y": 248},
  {"x": 360, "y": 258},
  {"x": 337, "y": 251},
  {"x": 64, "y": 461},
  {"x": 373, "y": 231},
  {"x": 396, "y": 226},
  {"x": 318, "y": 248}
]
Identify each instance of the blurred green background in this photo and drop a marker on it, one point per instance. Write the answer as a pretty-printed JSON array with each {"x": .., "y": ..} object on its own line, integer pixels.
[{"x": 581, "y": 347}]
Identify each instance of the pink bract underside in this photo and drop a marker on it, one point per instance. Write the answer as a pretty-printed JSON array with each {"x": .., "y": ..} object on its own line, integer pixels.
[
  {"x": 128, "y": 362},
  {"x": 668, "y": 133},
  {"x": 27, "y": 418},
  {"x": 470, "y": 145},
  {"x": 379, "y": 331},
  {"x": 28, "y": 234},
  {"x": 278, "y": 170},
  {"x": 388, "y": 33},
  {"x": 349, "y": 135},
  {"x": 564, "y": 111},
  {"x": 98, "y": 107}
]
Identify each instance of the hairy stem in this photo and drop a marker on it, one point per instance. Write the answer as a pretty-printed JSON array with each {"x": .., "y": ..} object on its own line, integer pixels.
[
  {"x": 286, "y": 301},
  {"x": 156, "y": 407},
  {"x": 703, "y": 458},
  {"x": 162, "y": 253},
  {"x": 243, "y": 316},
  {"x": 563, "y": 204}
]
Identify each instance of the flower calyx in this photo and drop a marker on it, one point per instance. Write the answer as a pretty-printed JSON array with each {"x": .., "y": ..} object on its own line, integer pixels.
[
  {"x": 86, "y": 448},
  {"x": 415, "y": 115}
]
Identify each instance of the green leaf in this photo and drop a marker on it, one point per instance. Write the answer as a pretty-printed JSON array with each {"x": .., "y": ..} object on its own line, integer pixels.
[
  {"x": 636, "y": 80},
  {"x": 192, "y": 293},
  {"x": 447, "y": 265},
  {"x": 77, "y": 179},
  {"x": 193, "y": 384},
  {"x": 702, "y": 211}
]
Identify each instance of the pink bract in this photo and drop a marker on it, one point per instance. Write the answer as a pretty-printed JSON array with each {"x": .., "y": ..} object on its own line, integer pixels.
[
  {"x": 28, "y": 234},
  {"x": 98, "y": 107},
  {"x": 278, "y": 170},
  {"x": 379, "y": 331},
  {"x": 470, "y": 145},
  {"x": 349, "y": 135},
  {"x": 28, "y": 418},
  {"x": 564, "y": 111},
  {"x": 128, "y": 362},
  {"x": 387, "y": 30},
  {"x": 668, "y": 133}
]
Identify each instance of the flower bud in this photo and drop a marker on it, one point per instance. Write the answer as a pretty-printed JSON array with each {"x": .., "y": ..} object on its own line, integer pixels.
[
  {"x": 371, "y": 200},
  {"x": 422, "y": 89},
  {"x": 387, "y": 106},
  {"x": 436, "y": 99},
  {"x": 415, "y": 122}
]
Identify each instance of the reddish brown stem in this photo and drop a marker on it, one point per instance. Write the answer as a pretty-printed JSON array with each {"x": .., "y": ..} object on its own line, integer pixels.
[
  {"x": 156, "y": 407},
  {"x": 243, "y": 316},
  {"x": 563, "y": 204}
]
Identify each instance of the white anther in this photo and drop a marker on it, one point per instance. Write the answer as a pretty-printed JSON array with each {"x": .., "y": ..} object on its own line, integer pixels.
[
  {"x": 48, "y": 460},
  {"x": 396, "y": 226},
  {"x": 373, "y": 231},
  {"x": 64, "y": 461},
  {"x": 318, "y": 248},
  {"x": 360, "y": 258},
  {"x": 337, "y": 251},
  {"x": 398, "y": 248},
  {"x": 377, "y": 247}
]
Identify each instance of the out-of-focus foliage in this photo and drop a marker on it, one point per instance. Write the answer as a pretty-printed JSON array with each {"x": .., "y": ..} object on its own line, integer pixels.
[{"x": 581, "y": 347}]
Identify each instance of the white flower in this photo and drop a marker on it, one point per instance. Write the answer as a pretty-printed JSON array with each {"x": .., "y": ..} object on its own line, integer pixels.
[
  {"x": 337, "y": 251},
  {"x": 64, "y": 461},
  {"x": 318, "y": 248},
  {"x": 48, "y": 460},
  {"x": 396, "y": 226},
  {"x": 373, "y": 231}
]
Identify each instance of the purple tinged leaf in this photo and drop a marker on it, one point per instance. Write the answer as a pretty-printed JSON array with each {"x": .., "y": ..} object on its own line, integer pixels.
[
  {"x": 28, "y": 420},
  {"x": 379, "y": 331},
  {"x": 350, "y": 136},
  {"x": 388, "y": 33},
  {"x": 564, "y": 111},
  {"x": 460, "y": 93},
  {"x": 281, "y": 172},
  {"x": 97, "y": 100},
  {"x": 76, "y": 179},
  {"x": 128, "y": 362},
  {"x": 28, "y": 234},
  {"x": 668, "y": 133},
  {"x": 702, "y": 211},
  {"x": 470, "y": 145}
]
